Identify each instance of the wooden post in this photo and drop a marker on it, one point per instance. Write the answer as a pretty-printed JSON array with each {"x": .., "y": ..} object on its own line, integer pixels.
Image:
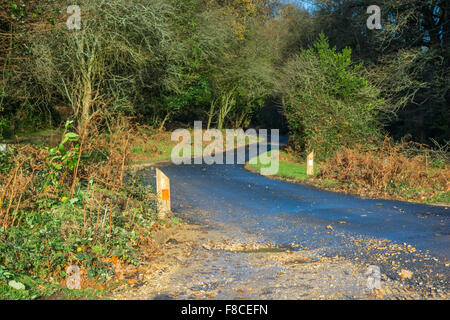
[
  {"x": 163, "y": 192},
  {"x": 310, "y": 164}
]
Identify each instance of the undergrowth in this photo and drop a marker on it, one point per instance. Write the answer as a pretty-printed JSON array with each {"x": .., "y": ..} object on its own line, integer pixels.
[
  {"x": 73, "y": 204},
  {"x": 404, "y": 170}
]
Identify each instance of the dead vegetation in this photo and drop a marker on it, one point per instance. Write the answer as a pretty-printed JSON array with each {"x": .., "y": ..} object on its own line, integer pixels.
[
  {"x": 31, "y": 173},
  {"x": 75, "y": 204},
  {"x": 406, "y": 170}
]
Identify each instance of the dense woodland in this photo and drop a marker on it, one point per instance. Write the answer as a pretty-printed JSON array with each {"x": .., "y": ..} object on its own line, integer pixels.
[{"x": 223, "y": 61}]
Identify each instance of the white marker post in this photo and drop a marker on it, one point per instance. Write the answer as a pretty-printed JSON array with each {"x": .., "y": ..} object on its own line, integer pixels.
[
  {"x": 310, "y": 164},
  {"x": 163, "y": 191}
]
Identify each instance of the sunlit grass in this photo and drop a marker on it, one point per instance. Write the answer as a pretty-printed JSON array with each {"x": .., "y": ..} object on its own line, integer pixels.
[{"x": 288, "y": 167}]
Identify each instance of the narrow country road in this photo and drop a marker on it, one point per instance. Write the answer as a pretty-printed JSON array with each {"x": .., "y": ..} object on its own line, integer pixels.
[{"x": 393, "y": 235}]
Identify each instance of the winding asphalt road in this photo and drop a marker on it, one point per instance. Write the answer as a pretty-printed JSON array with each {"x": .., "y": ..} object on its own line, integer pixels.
[{"x": 331, "y": 223}]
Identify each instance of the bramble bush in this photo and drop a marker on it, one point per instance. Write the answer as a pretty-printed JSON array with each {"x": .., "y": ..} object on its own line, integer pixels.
[{"x": 328, "y": 102}]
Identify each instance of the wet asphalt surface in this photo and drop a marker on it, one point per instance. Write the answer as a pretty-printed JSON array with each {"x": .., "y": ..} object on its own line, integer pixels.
[{"x": 299, "y": 216}]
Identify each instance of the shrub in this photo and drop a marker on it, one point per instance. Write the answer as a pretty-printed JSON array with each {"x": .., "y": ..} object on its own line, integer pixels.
[{"x": 327, "y": 102}]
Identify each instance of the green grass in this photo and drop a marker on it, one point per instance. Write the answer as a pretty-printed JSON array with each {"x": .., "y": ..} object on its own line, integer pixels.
[
  {"x": 288, "y": 169},
  {"x": 328, "y": 183},
  {"x": 36, "y": 288},
  {"x": 441, "y": 197},
  {"x": 48, "y": 291}
]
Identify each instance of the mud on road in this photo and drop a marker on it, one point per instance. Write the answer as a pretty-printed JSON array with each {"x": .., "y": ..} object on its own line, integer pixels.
[{"x": 225, "y": 262}]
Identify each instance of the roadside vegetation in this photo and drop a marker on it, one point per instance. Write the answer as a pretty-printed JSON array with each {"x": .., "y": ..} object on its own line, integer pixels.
[
  {"x": 333, "y": 109},
  {"x": 73, "y": 204},
  {"x": 391, "y": 172},
  {"x": 79, "y": 108},
  {"x": 291, "y": 168}
]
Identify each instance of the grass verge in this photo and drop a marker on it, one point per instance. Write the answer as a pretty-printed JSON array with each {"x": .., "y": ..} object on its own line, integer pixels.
[{"x": 289, "y": 168}]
